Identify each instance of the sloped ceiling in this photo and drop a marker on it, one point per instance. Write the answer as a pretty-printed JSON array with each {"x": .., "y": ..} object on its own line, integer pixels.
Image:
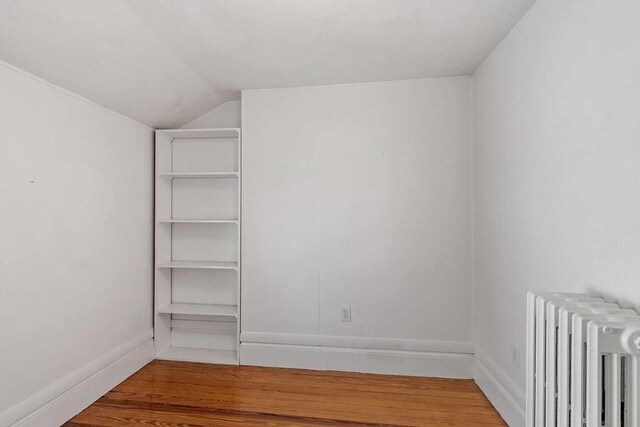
[{"x": 164, "y": 63}]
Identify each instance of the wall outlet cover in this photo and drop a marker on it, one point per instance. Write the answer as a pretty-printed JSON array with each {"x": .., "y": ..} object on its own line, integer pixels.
[{"x": 345, "y": 315}]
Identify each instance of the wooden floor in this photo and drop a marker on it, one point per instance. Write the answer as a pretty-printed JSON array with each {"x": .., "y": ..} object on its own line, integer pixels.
[{"x": 193, "y": 394}]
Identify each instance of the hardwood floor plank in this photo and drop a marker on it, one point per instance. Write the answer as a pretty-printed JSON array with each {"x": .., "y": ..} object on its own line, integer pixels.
[
  {"x": 110, "y": 416},
  {"x": 166, "y": 393}
]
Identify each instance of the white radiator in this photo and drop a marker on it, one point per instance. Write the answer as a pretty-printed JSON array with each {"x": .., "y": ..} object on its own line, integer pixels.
[{"x": 578, "y": 375}]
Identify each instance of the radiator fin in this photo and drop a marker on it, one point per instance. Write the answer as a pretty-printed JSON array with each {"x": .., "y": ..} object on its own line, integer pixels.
[{"x": 582, "y": 367}]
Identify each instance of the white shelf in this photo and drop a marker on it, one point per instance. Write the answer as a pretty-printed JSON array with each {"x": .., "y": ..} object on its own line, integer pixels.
[
  {"x": 206, "y": 163},
  {"x": 226, "y": 357},
  {"x": 172, "y": 175},
  {"x": 200, "y": 133},
  {"x": 211, "y": 265},
  {"x": 201, "y": 309},
  {"x": 198, "y": 221}
]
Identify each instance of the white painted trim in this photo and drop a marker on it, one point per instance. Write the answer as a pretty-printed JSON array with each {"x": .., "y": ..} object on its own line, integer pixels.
[
  {"x": 72, "y": 94},
  {"x": 501, "y": 391},
  {"x": 357, "y": 342},
  {"x": 428, "y": 364},
  {"x": 63, "y": 399}
]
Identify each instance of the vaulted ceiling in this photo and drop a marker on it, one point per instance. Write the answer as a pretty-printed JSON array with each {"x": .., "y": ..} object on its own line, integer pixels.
[{"x": 165, "y": 63}]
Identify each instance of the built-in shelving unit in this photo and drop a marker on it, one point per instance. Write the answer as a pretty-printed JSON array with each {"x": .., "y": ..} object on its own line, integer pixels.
[{"x": 197, "y": 275}]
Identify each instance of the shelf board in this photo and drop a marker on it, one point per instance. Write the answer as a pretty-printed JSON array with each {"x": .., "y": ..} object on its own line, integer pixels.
[
  {"x": 200, "y": 133},
  {"x": 172, "y": 175},
  {"x": 198, "y": 221},
  {"x": 183, "y": 354},
  {"x": 201, "y": 309},
  {"x": 221, "y": 326},
  {"x": 211, "y": 265}
]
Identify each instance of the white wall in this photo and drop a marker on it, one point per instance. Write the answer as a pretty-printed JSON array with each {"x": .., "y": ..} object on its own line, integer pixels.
[
  {"x": 76, "y": 243},
  {"x": 557, "y": 171},
  {"x": 226, "y": 115},
  {"x": 357, "y": 195}
]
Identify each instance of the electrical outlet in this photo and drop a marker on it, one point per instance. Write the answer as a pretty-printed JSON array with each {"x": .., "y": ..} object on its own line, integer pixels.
[
  {"x": 515, "y": 355},
  {"x": 345, "y": 314}
]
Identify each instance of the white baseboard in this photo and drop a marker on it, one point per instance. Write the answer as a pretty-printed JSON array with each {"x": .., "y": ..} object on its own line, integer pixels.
[
  {"x": 503, "y": 394},
  {"x": 397, "y": 362},
  {"x": 65, "y": 398}
]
